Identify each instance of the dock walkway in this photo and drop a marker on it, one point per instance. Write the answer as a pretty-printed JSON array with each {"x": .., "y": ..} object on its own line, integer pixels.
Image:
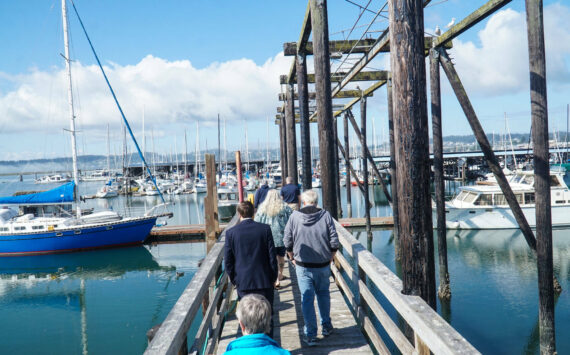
[{"x": 288, "y": 319}]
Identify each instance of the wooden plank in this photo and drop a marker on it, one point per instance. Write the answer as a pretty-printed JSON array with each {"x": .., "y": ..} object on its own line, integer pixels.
[
  {"x": 345, "y": 94},
  {"x": 348, "y": 46},
  {"x": 471, "y": 20},
  {"x": 390, "y": 327},
  {"x": 288, "y": 317},
  {"x": 430, "y": 327},
  {"x": 373, "y": 75}
]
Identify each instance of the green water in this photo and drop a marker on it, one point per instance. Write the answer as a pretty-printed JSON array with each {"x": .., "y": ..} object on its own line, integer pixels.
[{"x": 103, "y": 302}]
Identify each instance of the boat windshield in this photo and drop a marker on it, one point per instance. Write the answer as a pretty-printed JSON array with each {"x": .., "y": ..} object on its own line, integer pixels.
[
  {"x": 484, "y": 200},
  {"x": 461, "y": 196},
  {"x": 554, "y": 181}
]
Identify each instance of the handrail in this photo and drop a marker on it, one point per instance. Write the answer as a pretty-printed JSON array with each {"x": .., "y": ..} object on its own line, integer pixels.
[
  {"x": 429, "y": 328},
  {"x": 172, "y": 334}
]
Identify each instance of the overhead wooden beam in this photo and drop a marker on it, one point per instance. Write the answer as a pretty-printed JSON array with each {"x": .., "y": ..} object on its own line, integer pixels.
[
  {"x": 366, "y": 93},
  {"x": 474, "y": 18},
  {"x": 337, "y": 77},
  {"x": 303, "y": 38},
  {"x": 341, "y": 95},
  {"x": 281, "y": 109},
  {"x": 349, "y": 46},
  {"x": 353, "y": 46}
]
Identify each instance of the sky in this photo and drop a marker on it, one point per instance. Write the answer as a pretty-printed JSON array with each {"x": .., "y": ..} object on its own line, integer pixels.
[{"x": 179, "y": 63}]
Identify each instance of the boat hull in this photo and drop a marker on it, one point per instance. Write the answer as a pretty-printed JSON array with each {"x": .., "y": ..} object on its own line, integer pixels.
[
  {"x": 104, "y": 235},
  {"x": 499, "y": 217}
]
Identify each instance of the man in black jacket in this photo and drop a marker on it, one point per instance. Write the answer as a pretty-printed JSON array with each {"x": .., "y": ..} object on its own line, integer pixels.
[{"x": 250, "y": 256}]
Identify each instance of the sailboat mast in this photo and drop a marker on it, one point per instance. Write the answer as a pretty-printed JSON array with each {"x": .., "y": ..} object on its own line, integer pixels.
[
  {"x": 185, "y": 156},
  {"x": 143, "y": 145},
  {"x": 108, "y": 151},
  {"x": 246, "y": 146},
  {"x": 71, "y": 110}
]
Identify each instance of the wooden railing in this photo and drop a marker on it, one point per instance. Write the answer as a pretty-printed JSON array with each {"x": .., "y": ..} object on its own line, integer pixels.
[
  {"x": 431, "y": 332},
  {"x": 209, "y": 288}
]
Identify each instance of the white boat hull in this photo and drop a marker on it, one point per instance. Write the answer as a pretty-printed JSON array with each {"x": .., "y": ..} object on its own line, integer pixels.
[{"x": 499, "y": 217}]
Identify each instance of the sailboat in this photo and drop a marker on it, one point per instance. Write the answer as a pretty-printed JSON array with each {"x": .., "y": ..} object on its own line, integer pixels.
[{"x": 45, "y": 222}]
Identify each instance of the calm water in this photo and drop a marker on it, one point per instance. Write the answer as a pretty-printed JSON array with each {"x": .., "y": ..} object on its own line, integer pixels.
[{"x": 104, "y": 301}]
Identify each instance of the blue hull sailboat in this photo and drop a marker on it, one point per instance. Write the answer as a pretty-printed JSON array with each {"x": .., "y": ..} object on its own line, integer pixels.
[{"x": 45, "y": 222}]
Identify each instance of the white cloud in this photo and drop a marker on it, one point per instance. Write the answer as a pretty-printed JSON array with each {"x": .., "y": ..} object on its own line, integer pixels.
[
  {"x": 169, "y": 91},
  {"x": 499, "y": 63}
]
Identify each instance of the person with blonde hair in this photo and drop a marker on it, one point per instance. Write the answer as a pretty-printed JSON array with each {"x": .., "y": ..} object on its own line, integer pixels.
[{"x": 274, "y": 212}]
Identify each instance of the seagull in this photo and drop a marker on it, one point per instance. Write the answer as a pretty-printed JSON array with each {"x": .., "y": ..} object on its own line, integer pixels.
[
  {"x": 451, "y": 23},
  {"x": 437, "y": 31}
]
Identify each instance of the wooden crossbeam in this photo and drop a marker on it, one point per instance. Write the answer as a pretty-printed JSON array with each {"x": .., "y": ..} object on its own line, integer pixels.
[
  {"x": 366, "y": 92},
  {"x": 341, "y": 95},
  {"x": 281, "y": 109},
  {"x": 474, "y": 18},
  {"x": 303, "y": 38},
  {"x": 349, "y": 46},
  {"x": 337, "y": 77}
]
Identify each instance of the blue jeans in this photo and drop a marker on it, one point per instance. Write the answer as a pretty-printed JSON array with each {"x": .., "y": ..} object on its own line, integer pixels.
[{"x": 314, "y": 281}]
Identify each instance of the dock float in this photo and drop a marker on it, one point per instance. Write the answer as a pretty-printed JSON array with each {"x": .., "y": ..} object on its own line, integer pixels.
[
  {"x": 288, "y": 317},
  {"x": 196, "y": 232}
]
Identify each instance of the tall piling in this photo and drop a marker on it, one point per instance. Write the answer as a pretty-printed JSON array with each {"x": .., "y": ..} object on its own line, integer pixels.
[
  {"x": 347, "y": 163},
  {"x": 444, "y": 291},
  {"x": 393, "y": 178},
  {"x": 291, "y": 136},
  {"x": 321, "y": 56},
  {"x": 305, "y": 130},
  {"x": 407, "y": 60},
  {"x": 365, "y": 166},
  {"x": 283, "y": 145},
  {"x": 539, "y": 112},
  {"x": 336, "y": 167}
]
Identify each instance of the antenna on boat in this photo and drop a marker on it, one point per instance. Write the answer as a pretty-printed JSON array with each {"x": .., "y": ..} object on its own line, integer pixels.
[{"x": 71, "y": 110}]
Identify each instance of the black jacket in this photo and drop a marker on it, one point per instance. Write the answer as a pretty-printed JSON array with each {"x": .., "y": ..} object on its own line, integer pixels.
[{"x": 250, "y": 256}]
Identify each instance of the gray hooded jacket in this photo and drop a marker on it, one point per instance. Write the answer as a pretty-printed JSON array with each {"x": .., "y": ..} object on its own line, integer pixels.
[{"x": 311, "y": 235}]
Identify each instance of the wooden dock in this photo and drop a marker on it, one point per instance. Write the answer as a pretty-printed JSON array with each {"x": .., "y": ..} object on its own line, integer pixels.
[
  {"x": 288, "y": 318},
  {"x": 196, "y": 232}
]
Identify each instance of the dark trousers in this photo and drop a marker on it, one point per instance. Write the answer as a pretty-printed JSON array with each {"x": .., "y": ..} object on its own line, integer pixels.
[{"x": 265, "y": 292}]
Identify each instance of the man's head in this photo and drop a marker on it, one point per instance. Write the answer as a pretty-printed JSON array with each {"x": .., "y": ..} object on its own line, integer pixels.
[
  {"x": 254, "y": 314},
  {"x": 245, "y": 209},
  {"x": 289, "y": 180},
  {"x": 309, "y": 197}
]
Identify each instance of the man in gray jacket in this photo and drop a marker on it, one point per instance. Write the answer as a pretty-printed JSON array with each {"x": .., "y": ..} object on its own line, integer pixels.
[{"x": 311, "y": 242}]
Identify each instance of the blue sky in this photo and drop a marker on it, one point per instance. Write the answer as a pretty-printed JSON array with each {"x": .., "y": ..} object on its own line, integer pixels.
[{"x": 183, "y": 62}]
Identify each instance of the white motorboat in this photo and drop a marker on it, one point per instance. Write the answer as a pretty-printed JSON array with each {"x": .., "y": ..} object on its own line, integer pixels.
[
  {"x": 227, "y": 203},
  {"x": 485, "y": 207}
]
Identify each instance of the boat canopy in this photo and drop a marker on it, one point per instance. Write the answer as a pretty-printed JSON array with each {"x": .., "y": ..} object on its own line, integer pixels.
[{"x": 61, "y": 194}]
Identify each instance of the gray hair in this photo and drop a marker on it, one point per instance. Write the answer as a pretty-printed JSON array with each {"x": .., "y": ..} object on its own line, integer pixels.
[
  {"x": 254, "y": 312},
  {"x": 289, "y": 180},
  {"x": 310, "y": 197}
]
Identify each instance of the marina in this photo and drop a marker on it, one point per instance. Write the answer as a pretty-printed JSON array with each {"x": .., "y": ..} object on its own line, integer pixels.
[{"x": 115, "y": 239}]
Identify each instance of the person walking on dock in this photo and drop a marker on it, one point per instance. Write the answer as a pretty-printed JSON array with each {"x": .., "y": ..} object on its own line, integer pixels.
[
  {"x": 291, "y": 194},
  {"x": 260, "y": 194},
  {"x": 254, "y": 315},
  {"x": 274, "y": 212},
  {"x": 311, "y": 242},
  {"x": 250, "y": 256}
]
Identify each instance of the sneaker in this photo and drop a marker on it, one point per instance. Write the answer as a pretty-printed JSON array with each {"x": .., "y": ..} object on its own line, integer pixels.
[
  {"x": 327, "y": 331},
  {"x": 310, "y": 341}
]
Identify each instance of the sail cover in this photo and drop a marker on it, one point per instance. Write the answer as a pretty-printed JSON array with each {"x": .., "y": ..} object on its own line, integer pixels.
[{"x": 61, "y": 194}]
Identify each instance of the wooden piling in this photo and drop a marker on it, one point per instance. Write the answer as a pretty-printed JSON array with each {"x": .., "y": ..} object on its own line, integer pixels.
[
  {"x": 303, "y": 92},
  {"x": 365, "y": 165},
  {"x": 291, "y": 136},
  {"x": 211, "y": 203},
  {"x": 412, "y": 144},
  {"x": 539, "y": 111},
  {"x": 319, "y": 23},
  {"x": 239, "y": 176},
  {"x": 444, "y": 291},
  {"x": 283, "y": 146},
  {"x": 336, "y": 167},
  {"x": 347, "y": 163},
  {"x": 393, "y": 178}
]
